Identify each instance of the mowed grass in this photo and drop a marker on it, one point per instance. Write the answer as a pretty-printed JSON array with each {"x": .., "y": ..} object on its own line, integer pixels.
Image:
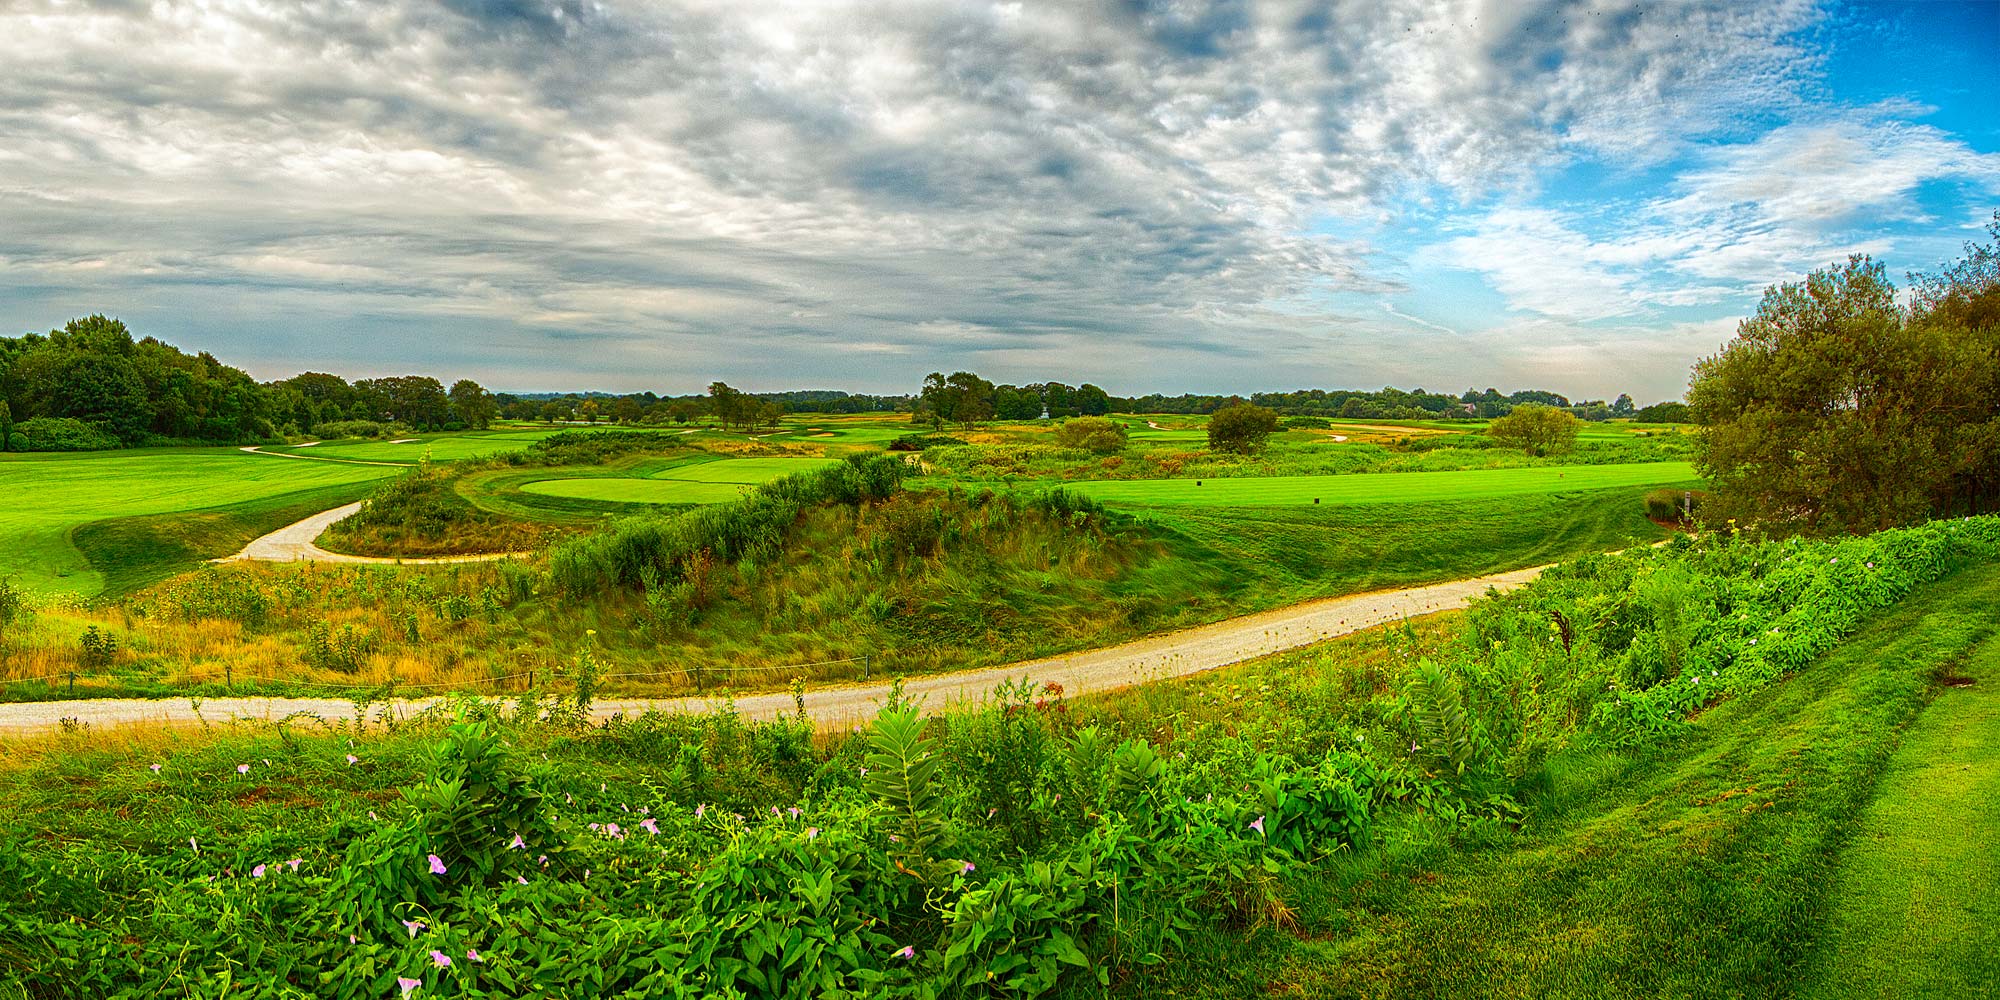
[
  {"x": 440, "y": 447},
  {"x": 1400, "y": 487},
  {"x": 1916, "y": 912},
  {"x": 698, "y": 483},
  {"x": 44, "y": 498}
]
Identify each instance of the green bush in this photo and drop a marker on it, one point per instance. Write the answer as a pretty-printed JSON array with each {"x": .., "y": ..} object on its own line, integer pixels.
[
  {"x": 919, "y": 442},
  {"x": 1674, "y": 506},
  {"x": 1306, "y": 424},
  {"x": 62, "y": 434},
  {"x": 335, "y": 429},
  {"x": 1092, "y": 434}
]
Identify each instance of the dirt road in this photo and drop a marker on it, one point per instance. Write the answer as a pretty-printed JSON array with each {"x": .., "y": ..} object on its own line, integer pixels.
[
  {"x": 297, "y": 542},
  {"x": 1175, "y": 654}
]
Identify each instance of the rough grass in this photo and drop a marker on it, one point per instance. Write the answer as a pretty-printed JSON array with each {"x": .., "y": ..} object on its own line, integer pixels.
[
  {"x": 450, "y": 447},
  {"x": 705, "y": 482},
  {"x": 44, "y": 498},
  {"x": 1740, "y": 862},
  {"x": 1384, "y": 488}
]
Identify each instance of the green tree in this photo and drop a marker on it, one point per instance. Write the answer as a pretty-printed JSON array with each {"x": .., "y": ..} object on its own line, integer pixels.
[
  {"x": 1241, "y": 428},
  {"x": 1095, "y": 434},
  {"x": 550, "y": 412},
  {"x": 6, "y": 425},
  {"x": 961, "y": 397},
  {"x": 1834, "y": 411},
  {"x": 1622, "y": 406},
  {"x": 472, "y": 404},
  {"x": 729, "y": 405},
  {"x": 1092, "y": 401},
  {"x": 1536, "y": 429},
  {"x": 1015, "y": 403}
]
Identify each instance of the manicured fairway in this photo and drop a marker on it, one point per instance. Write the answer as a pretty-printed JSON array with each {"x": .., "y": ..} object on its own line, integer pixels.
[
  {"x": 1403, "y": 487},
  {"x": 440, "y": 447},
  {"x": 45, "y": 497},
  {"x": 703, "y": 482}
]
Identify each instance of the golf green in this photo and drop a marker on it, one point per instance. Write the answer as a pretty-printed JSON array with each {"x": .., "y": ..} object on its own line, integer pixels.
[{"x": 1400, "y": 487}]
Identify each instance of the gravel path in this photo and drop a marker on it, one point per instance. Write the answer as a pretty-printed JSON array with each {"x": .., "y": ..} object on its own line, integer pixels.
[
  {"x": 1176, "y": 654},
  {"x": 297, "y": 542}
]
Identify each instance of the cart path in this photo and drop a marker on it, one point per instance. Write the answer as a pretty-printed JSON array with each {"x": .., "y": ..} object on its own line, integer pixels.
[
  {"x": 254, "y": 449},
  {"x": 1175, "y": 654},
  {"x": 298, "y": 542}
]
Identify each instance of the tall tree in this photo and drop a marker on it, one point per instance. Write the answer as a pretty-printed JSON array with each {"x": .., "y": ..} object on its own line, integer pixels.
[{"x": 472, "y": 404}]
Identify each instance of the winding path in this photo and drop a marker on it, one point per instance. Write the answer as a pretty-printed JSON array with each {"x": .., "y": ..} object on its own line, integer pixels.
[
  {"x": 298, "y": 542},
  {"x": 1175, "y": 654}
]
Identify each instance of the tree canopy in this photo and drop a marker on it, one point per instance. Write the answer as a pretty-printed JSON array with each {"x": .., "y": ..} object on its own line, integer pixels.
[
  {"x": 1241, "y": 428},
  {"x": 1536, "y": 429}
]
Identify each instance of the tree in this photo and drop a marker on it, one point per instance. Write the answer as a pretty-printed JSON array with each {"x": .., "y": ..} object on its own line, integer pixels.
[
  {"x": 550, "y": 412},
  {"x": 1669, "y": 412},
  {"x": 1622, "y": 406},
  {"x": 1241, "y": 428},
  {"x": 729, "y": 405},
  {"x": 588, "y": 410},
  {"x": 1536, "y": 429},
  {"x": 1834, "y": 411},
  {"x": 963, "y": 398},
  {"x": 6, "y": 425},
  {"x": 1095, "y": 434},
  {"x": 1092, "y": 401},
  {"x": 1015, "y": 403},
  {"x": 472, "y": 404}
]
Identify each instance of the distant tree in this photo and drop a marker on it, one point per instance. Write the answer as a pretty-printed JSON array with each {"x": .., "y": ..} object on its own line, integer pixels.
[
  {"x": 729, "y": 405},
  {"x": 770, "y": 414},
  {"x": 1536, "y": 429},
  {"x": 961, "y": 397},
  {"x": 1092, "y": 401},
  {"x": 1095, "y": 434},
  {"x": 627, "y": 409},
  {"x": 550, "y": 412},
  {"x": 1059, "y": 400},
  {"x": 1015, "y": 403},
  {"x": 6, "y": 425},
  {"x": 683, "y": 410},
  {"x": 1241, "y": 428},
  {"x": 1670, "y": 412},
  {"x": 1835, "y": 411},
  {"x": 472, "y": 404},
  {"x": 588, "y": 410},
  {"x": 1622, "y": 406}
]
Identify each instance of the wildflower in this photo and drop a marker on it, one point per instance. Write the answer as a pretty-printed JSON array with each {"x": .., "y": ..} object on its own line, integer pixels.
[
  {"x": 795, "y": 812},
  {"x": 472, "y": 955},
  {"x": 523, "y": 879},
  {"x": 437, "y": 864},
  {"x": 413, "y": 926},
  {"x": 700, "y": 809},
  {"x": 242, "y": 769},
  {"x": 908, "y": 951},
  {"x": 652, "y": 826},
  {"x": 625, "y": 807},
  {"x": 645, "y": 811},
  {"x": 371, "y": 814},
  {"x": 864, "y": 772},
  {"x": 1753, "y": 642},
  {"x": 440, "y": 959},
  {"x": 543, "y": 861},
  {"x": 594, "y": 827},
  {"x": 612, "y": 830},
  {"x": 990, "y": 812},
  {"x": 1258, "y": 825},
  {"x": 774, "y": 810},
  {"x": 408, "y": 984},
  {"x": 811, "y": 832},
  {"x": 518, "y": 844},
  {"x": 893, "y": 839},
  {"x": 195, "y": 846},
  {"x": 257, "y": 872},
  {"x": 351, "y": 939},
  {"x": 351, "y": 759},
  {"x": 156, "y": 768},
  {"x": 968, "y": 868},
  {"x": 295, "y": 863}
]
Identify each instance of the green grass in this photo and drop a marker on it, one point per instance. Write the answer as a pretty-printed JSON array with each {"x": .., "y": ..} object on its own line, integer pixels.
[
  {"x": 1740, "y": 862},
  {"x": 1382, "y": 488},
  {"x": 45, "y": 498},
  {"x": 1916, "y": 908},
  {"x": 440, "y": 447},
  {"x": 704, "y": 482}
]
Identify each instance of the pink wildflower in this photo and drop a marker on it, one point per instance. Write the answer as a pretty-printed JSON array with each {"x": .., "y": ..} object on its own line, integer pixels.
[
  {"x": 700, "y": 809},
  {"x": 652, "y": 826},
  {"x": 521, "y": 879},
  {"x": 257, "y": 872},
  {"x": 296, "y": 862},
  {"x": 518, "y": 844},
  {"x": 472, "y": 955},
  {"x": 408, "y": 984},
  {"x": 351, "y": 759},
  {"x": 440, "y": 959},
  {"x": 811, "y": 832},
  {"x": 195, "y": 846},
  {"x": 242, "y": 769},
  {"x": 437, "y": 864},
  {"x": 1258, "y": 825},
  {"x": 413, "y": 926},
  {"x": 908, "y": 951},
  {"x": 156, "y": 768},
  {"x": 968, "y": 869}
]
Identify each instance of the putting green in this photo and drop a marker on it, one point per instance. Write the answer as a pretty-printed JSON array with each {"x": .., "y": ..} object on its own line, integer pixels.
[
  {"x": 1396, "y": 487},
  {"x": 705, "y": 482},
  {"x": 43, "y": 497}
]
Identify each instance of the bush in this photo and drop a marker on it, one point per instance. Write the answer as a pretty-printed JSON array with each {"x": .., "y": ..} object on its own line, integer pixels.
[
  {"x": 1674, "y": 506},
  {"x": 920, "y": 442},
  {"x": 336, "y": 429},
  {"x": 61, "y": 434},
  {"x": 1307, "y": 424},
  {"x": 1536, "y": 429},
  {"x": 1241, "y": 428},
  {"x": 1094, "y": 434}
]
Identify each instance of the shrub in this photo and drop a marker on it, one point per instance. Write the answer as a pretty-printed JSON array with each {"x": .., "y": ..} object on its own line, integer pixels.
[
  {"x": 62, "y": 434},
  {"x": 334, "y": 429},
  {"x": 1674, "y": 506},
  {"x": 920, "y": 442},
  {"x": 1241, "y": 428},
  {"x": 1536, "y": 429},
  {"x": 1307, "y": 424},
  {"x": 1094, "y": 434}
]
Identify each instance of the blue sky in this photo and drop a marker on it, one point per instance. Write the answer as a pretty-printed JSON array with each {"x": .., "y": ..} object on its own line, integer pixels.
[{"x": 1154, "y": 195}]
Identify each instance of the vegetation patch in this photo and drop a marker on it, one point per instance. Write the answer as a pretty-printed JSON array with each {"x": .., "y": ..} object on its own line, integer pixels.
[{"x": 1414, "y": 487}]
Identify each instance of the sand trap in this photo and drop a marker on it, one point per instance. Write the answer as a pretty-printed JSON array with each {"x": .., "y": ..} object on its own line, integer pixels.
[
  {"x": 308, "y": 444},
  {"x": 404, "y": 441}
]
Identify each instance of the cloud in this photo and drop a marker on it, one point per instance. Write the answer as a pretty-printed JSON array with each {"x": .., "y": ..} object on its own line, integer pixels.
[{"x": 854, "y": 191}]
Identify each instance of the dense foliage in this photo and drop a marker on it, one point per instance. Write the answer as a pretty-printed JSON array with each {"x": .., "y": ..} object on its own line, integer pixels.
[
  {"x": 1536, "y": 429},
  {"x": 1093, "y": 434},
  {"x": 90, "y": 384},
  {"x": 1241, "y": 429},
  {"x": 1837, "y": 408}
]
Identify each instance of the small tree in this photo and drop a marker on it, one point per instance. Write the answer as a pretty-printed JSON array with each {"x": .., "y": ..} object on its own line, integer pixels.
[
  {"x": 6, "y": 426},
  {"x": 1241, "y": 428},
  {"x": 1536, "y": 429},
  {"x": 1092, "y": 434}
]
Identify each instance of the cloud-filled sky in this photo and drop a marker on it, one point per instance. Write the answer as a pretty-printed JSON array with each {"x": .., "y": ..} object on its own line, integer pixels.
[{"x": 1148, "y": 194}]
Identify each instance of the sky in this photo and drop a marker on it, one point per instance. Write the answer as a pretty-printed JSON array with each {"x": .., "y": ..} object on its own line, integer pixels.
[{"x": 1152, "y": 195}]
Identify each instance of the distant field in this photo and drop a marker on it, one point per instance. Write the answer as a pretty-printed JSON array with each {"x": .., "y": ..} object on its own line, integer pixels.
[
  {"x": 440, "y": 447},
  {"x": 45, "y": 498},
  {"x": 698, "y": 483},
  {"x": 1405, "y": 487}
]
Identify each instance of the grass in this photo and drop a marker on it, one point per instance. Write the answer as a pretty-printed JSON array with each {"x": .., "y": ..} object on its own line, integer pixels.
[
  {"x": 439, "y": 447},
  {"x": 1916, "y": 907},
  {"x": 1742, "y": 861},
  {"x": 705, "y": 482},
  {"x": 1408, "y": 487},
  {"x": 46, "y": 498}
]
